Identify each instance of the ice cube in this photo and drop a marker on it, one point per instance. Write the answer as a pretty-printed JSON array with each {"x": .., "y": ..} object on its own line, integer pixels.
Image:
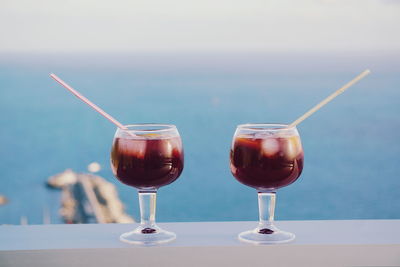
[
  {"x": 176, "y": 143},
  {"x": 291, "y": 147},
  {"x": 160, "y": 147},
  {"x": 270, "y": 146},
  {"x": 261, "y": 135},
  {"x": 133, "y": 147},
  {"x": 165, "y": 147}
]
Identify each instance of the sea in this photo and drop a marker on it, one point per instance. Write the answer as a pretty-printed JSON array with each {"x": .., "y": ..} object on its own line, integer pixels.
[{"x": 351, "y": 146}]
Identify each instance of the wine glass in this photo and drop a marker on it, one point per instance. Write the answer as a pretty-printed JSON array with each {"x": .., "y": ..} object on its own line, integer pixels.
[
  {"x": 147, "y": 156},
  {"x": 266, "y": 157}
]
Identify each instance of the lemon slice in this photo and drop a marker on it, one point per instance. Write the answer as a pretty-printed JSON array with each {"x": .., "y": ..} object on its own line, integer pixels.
[{"x": 150, "y": 135}]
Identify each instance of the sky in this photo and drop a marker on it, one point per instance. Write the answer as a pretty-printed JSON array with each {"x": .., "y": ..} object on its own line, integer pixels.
[{"x": 199, "y": 25}]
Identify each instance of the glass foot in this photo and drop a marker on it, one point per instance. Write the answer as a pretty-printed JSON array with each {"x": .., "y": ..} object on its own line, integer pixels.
[
  {"x": 148, "y": 236},
  {"x": 271, "y": 235}
]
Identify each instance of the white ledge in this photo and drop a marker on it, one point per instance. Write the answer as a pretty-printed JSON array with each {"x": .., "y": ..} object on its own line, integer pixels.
[{"x": 317, "y": 243}]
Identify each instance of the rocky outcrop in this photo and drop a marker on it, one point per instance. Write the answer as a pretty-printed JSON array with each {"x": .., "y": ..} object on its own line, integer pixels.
[{"x": 88, "y": 198}]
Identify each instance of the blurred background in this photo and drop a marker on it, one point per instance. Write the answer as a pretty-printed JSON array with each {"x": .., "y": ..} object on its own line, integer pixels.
[{"x": 205, "y": 66}]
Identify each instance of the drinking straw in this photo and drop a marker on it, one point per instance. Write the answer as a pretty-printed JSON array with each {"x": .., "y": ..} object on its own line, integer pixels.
[
  {"x": 329, "y": 98},
  {"x": 87, "y": 101}
]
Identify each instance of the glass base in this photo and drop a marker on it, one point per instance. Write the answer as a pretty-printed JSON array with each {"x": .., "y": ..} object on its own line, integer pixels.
[
  {"x": 270, "y": 235},
  {"x": 148, "y": 236}
]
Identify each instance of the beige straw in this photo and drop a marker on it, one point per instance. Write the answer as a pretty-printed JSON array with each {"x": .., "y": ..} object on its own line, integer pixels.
[{"x": 329, "y": 98}]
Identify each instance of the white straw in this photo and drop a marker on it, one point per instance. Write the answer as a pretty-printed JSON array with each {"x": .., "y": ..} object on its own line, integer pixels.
[{"x": 329, "y": 98}]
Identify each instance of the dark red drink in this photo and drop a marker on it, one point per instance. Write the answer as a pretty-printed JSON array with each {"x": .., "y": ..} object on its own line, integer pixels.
[
  {"x": 266, "y": 163},
  {"x": 147, "y": 162}
]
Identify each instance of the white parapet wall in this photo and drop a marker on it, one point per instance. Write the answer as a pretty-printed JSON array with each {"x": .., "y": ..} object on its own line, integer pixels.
[{"x": 317, "y": 243}]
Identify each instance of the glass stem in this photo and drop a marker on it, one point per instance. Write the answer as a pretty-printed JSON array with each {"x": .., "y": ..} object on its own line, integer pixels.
[
  {"x": 147, "y": 203},
  {"x": 266, "y": 208}
]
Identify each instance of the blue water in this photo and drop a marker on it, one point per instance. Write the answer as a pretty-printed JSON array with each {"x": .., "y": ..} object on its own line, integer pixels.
[{"x": 351, "y": 146}]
